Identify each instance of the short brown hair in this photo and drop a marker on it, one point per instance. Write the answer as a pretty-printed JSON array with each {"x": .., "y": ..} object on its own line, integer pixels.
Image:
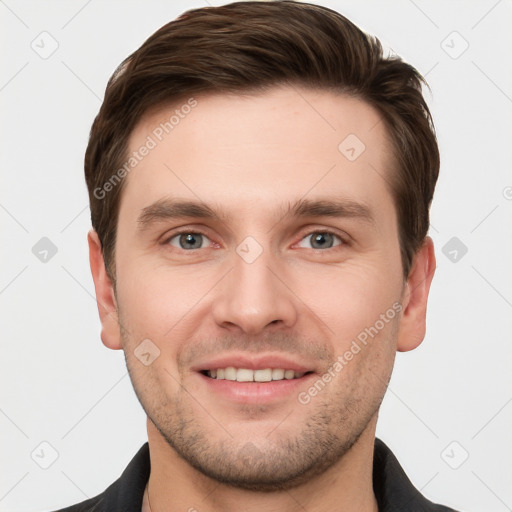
[{"x": 252, "y": 46}]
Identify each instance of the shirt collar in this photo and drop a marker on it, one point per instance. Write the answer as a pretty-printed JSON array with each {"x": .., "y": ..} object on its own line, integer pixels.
[{"x": 393, "y": 489}]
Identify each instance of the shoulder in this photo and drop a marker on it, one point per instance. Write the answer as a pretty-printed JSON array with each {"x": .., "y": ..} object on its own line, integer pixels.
[
  {"x": 90, "y": 505},
  {"x": 393, "y": 489},
  {"x": 125, "y": 493}
]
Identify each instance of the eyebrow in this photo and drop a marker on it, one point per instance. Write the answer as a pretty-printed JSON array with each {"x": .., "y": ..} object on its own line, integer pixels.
[
  {"x": 167, "y": 209},
  {"x": 338, "y": 208}
]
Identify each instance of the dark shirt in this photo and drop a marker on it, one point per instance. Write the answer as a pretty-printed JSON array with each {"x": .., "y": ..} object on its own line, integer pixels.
[{"x": 393, "y": 490}]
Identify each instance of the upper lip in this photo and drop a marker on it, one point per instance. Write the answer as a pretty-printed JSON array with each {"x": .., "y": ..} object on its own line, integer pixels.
[{"x": 253, "y": 362}]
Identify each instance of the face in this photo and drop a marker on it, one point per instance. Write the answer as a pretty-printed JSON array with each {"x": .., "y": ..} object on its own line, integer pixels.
[{"x": 257, "y": 242}]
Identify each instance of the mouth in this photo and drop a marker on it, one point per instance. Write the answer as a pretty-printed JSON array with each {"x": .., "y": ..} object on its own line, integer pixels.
[
  {"x": 254, "y": 379},
  {"x": 249, "y": 375}
]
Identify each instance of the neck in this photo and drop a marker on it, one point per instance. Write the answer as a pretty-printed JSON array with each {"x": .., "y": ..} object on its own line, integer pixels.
[{"x": 174, "y": 485}]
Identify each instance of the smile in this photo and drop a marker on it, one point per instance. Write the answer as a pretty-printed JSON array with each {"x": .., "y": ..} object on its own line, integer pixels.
[{"x": 248, "y": 375}]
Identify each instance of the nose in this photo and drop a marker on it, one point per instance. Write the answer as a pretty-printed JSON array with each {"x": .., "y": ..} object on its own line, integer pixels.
[{"x": 255, "y": 296}]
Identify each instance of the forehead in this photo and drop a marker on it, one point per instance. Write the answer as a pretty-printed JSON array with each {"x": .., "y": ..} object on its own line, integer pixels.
[{"x": 255, "y": 150}]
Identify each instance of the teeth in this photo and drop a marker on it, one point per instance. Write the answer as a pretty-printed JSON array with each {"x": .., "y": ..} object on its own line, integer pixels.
[
  {"x": 263, "y": 375},
  {"x": 277, "y": 374},
  {"x": 289, "y": 374},
  {"x": 243, "y": 375},
  {"x": 247, "y": 375},
  {"x": 230, "y": 373}
]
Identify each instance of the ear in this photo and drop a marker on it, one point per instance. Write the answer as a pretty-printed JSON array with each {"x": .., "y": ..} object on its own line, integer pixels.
[
  {"x": 105, "y": 297},
  {"x": 414, "y": 298}
]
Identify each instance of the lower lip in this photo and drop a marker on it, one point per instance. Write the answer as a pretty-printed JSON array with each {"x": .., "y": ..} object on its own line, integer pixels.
[{"x": 255, "y": 392}]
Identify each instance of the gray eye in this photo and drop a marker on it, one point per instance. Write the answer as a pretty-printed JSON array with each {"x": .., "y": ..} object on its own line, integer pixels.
[
  {"x": 320, "y": 240},
  {"x": 188, "y": 241}
]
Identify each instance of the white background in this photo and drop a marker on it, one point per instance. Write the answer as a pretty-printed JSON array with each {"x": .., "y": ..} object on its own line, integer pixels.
[{"x": 60, "y": 385}]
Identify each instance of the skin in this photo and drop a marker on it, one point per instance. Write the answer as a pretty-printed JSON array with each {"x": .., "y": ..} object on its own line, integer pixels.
[{"x": 252, "y": 156}]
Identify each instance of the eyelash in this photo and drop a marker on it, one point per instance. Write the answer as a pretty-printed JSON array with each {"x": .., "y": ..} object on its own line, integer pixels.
[
  {"x": 185, "y": 232},
  {"x": 342, "y": 239}
]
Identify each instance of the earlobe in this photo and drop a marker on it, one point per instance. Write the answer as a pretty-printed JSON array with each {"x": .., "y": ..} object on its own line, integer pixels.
[
  {"x": 413, "y": 322},
  {"x": 105, "y": 297}
]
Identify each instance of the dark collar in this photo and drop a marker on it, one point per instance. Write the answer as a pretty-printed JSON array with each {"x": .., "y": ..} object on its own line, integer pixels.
[{"x": 393, "y": 490}]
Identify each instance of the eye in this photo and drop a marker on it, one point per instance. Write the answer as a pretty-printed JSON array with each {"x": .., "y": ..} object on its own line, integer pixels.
[
  {"x": 320, "y": 240},
  {"x": 188, "y": 240}
]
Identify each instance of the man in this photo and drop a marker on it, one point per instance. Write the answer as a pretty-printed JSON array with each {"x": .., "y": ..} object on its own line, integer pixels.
[{"x": 260, "y": 177}]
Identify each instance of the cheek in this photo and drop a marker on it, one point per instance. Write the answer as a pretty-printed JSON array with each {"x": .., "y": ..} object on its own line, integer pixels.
[
  {"x": 140, "y": 304},
  {"x": 166, "y": 306},
  {"x": 150, "y": 313},
  {"x": 350, "y": 298},
  {"x": 155, "y": 297}
]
